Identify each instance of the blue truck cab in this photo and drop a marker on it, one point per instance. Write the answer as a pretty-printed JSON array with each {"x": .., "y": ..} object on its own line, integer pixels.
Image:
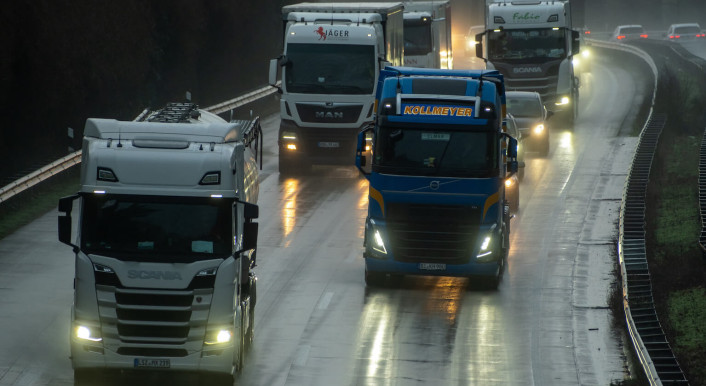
[{"x": 440, "y": 158}]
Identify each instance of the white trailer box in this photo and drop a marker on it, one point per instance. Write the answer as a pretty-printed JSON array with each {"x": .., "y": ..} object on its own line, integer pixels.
[{"x": 427, "y": 34}]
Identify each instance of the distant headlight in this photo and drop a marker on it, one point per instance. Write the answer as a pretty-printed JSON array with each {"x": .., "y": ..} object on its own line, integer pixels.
[
  {"x": 563, "y": 101},
  {"x": 586, "y": 53}
]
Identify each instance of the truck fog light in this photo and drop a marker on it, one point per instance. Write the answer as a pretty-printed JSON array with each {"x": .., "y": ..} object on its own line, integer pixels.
[
  {"x": 563, "y": 101},
  {"x": 291, "y": 146}
]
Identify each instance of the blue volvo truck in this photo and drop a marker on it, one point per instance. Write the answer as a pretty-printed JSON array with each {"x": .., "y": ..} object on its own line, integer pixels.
[{"x": 440, "y": 159}]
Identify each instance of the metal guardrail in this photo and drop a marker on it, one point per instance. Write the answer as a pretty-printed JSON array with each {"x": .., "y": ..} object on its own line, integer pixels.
[
  {"x": 653, "y": 350},
  {"x": 20, "y": 185},
  {"x": 702, "y": 193}
]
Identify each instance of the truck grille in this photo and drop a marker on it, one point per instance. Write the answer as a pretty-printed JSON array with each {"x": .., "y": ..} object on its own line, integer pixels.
[
  {"x": 345, "y": 138},
  {"x": 432, "y": 233},
  {"x": 137, "y": 320},
  {"x": 320, "y": 113}
]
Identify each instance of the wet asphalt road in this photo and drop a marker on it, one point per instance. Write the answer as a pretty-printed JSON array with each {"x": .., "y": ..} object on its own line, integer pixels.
[{"x": 317, "y": 323}]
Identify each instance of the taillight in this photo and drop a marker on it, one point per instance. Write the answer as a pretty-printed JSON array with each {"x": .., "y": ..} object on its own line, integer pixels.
[
  {"x": 621, "y": 37},
  {"x": 644, "y": 36},
  {"x": 674, "y": 36},
  {"x": 587, "y": 32}
]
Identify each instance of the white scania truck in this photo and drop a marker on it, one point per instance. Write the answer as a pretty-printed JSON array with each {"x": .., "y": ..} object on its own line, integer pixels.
[
  {"x": 165, "y": 243},
  {"x": 532, "y": 44},
  {"x": 332, "y": 55},
  {"x": 427, "y": 34}
]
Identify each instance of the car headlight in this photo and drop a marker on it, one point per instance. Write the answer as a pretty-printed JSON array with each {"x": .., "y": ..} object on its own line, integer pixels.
[
  {"x": 485, "y": 251},
  {"x": 509, "y": 182},
  {"x": 539, "y": 129},
  {"x": 563, "y": 101},
  {"x": 84, "y": 332},
  {"x": 219, "y": 336}
]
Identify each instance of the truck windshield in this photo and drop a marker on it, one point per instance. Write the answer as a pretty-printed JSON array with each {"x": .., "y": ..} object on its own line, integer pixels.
[
  {"x": 156, "y": 229},
  {"x": 417, "y": 37},
  {"x": 445, "y": 151},
  {"x": 330, "y": 68},
  {"x": 539, "y": 45}
]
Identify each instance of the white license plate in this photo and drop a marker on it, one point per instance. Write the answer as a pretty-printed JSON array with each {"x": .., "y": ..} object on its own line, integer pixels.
[
  {"x": 152, "y": 363},
  {"x": 329, "y": 144},
  {"x": 432, "y": 266}
]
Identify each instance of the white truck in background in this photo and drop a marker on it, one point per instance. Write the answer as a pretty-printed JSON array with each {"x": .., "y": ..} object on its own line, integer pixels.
[
  {"x": 532, "y": 44},
  {"x": 332, "y": 55},
  {"x": 165, "y": 244},
  {"x": 427, "y": 34}
]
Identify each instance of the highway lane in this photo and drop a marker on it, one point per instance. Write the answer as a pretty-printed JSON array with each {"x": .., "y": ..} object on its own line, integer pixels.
[{"x": 317, "y": 324}]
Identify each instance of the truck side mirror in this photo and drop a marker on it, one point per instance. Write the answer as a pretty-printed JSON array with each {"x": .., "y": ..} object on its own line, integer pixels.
[
  {"x": 250, "y": 228},
  {"x": 65, "y": 221},
  {"x": 274, "y": 66},
  {"x": 479, "y": 45},
  {"x": 575, "y": 42},
  {"x": 512, "y": 147},
  {"x": 360, "y": 160}
]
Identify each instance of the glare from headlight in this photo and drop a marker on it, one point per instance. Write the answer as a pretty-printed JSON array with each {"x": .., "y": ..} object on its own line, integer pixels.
[
  {"x": 564, "y": 101},
  {"x": 83, "y": 332},
  {"x": 508, "y": 182},
  {"x": 586, "y": 53},
  {"x": 538, "y": 129},
  {"x": 576, "y": 61},
  {"x": 222, "y": 336}
]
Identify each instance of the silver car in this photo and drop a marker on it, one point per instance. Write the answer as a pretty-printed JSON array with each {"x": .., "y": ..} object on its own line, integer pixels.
[{"x": 531, "y": 117}]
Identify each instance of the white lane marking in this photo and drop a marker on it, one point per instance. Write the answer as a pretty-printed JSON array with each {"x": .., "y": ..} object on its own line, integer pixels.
[{"x": 325, "y": 300}]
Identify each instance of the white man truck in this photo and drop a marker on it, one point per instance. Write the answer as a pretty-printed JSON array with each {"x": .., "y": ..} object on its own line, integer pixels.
[
  {"x": 165, "y": 243},
  {"x": 427, "y": 34},
  {"x": 332, "y": 55},
  {"x": 532, "y": 44}
]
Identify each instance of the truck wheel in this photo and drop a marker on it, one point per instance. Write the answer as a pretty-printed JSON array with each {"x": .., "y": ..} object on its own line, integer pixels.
[
  {"x": 217, "y": 379},
  {"x": 86, "y": 377},
  {"x": 374, "y": 279}
]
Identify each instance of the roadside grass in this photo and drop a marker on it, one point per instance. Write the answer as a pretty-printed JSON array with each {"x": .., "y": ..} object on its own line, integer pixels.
[{"x": 36, "y": 201}]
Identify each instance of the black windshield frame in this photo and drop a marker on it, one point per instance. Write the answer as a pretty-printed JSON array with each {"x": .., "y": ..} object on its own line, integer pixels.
[
  {"x": 330, "y": 69},
  {"x": 539, "y": 45},
  {"x": 442, "y": 150},
  {"x": 157, "y": 228},
  {"x": 417, "y": 37}
]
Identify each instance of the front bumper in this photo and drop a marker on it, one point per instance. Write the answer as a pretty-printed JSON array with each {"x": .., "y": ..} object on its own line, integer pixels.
[
  {"x": 489, "y": 269},
  {"x": 93, "y": 356}
]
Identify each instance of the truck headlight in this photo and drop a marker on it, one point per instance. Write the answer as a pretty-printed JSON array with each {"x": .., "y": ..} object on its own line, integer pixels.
[
  {"x": 375, "y": 239},
  {"x": 84, "y": 332},
  {"x": 539, "y": 129},
  {"x": 219, "y": 336},
  {"x": 485, "y": 252},
  {"x": 289, "y": 138}
]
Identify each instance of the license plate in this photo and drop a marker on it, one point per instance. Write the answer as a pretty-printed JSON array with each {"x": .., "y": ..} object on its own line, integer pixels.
[
  {"x": 152, "y": 363},
  {"x": 432, "y": 266},
  {"x": 329, "y": 144}
]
